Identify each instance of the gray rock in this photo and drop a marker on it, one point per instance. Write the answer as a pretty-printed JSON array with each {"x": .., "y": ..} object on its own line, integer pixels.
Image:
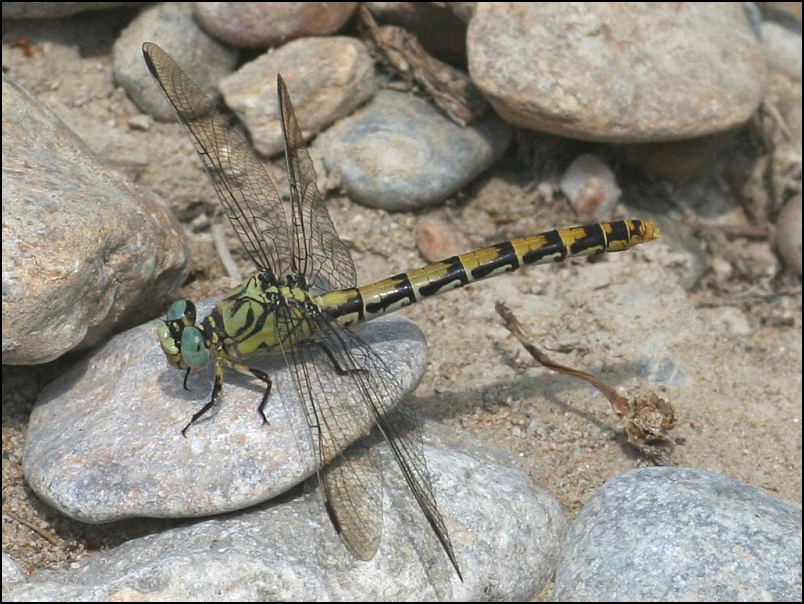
[
  {"x": 400, "y": 153},
  {"x": 328, "y": 78},
  {"x": 783, "y": 49},
  {"x": 85, "y": 251},
  {"x": 54, "y": 10},
  {"x": 618, "y": 72},
  {"x": 171, "y": 26},
  {"x": 266, "y": 24},
  {"x": 679, "y": 534},
  {"x": 506, "y": 531},
  {"x": 104, "y": 441},
  {"x": 12, "y": 574}
]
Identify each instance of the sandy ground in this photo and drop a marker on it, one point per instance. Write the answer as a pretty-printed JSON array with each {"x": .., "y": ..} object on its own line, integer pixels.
[{"x": 731, "y": 346}]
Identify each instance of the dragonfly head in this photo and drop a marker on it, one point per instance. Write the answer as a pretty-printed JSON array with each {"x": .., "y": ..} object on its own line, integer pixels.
[{"x": 181, "y": 339}]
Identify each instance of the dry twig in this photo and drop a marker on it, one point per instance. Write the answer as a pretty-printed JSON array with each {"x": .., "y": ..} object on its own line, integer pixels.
[
  {"x": 647, "y": 420},
  {"x": 450, "y": 89}
]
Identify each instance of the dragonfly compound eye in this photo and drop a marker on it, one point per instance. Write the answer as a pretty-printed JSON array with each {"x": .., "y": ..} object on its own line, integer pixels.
[
  {"x": 173, "y": 334},
  {"x": 194, "y": 351},
  {"x": 181, "y": 310}
]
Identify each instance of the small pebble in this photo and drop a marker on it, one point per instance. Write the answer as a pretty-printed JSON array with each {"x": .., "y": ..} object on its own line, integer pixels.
[
  {"x": 788, "y": 234},
  {"x": 436, "y": 240},
  {"x": 591, "y": 188}
]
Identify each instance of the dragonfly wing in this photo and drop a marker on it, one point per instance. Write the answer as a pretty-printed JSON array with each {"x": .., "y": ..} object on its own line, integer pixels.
[
  {"x": 400, "y": 427},
  {"x": 331, "y": 384},
  {"x": 353, "y": 485},
  {"x": 351, "y": 382},
  {"x": 318, "y": 253},
  {"x": 246, "y": 191}
]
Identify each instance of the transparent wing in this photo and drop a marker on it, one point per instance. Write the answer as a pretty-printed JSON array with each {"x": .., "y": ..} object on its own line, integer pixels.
[
  {"x": 346, "y": 386},
  {"x": 317, "y": 252},
  {"x": 353, "y": 485},
  {"x": 338, "y": 416},
  {"x": 248, "y": 194}
]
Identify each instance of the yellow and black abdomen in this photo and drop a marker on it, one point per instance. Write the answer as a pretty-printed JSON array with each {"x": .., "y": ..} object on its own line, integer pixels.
[{"x": 352, "y": 306}]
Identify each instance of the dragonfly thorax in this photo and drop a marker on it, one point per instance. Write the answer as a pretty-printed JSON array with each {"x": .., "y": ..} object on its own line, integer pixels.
[{"x": 258, "y": 315}]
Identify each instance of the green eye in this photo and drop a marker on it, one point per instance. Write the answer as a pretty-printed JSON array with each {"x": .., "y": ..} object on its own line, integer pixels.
[
  {"x": 194, "y": 351},
  {"x": 181, "y": 309}
]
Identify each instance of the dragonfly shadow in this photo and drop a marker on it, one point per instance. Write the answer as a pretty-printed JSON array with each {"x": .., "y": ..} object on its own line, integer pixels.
[
  {"x": 547, "y": 387},
  {"x": 199, "y": 385}
]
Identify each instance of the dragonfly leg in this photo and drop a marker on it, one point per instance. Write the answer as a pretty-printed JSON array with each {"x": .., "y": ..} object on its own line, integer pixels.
[
  {"x": 216, "y": 392},
  {"x": 260, "y": 375},
  {"x": 338, "y": 367}
]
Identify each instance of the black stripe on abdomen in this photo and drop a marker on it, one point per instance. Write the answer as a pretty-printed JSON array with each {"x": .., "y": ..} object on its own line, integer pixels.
[
  {"x": 402, "y": 294},
  {"x": 553, "y": 246},
  {"x": 506, "y": 259},
  {"x": 454, "y": 276}
]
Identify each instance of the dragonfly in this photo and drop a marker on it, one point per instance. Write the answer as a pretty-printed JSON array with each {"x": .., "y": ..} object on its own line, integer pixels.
[{"x": 303, "y": 303}]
